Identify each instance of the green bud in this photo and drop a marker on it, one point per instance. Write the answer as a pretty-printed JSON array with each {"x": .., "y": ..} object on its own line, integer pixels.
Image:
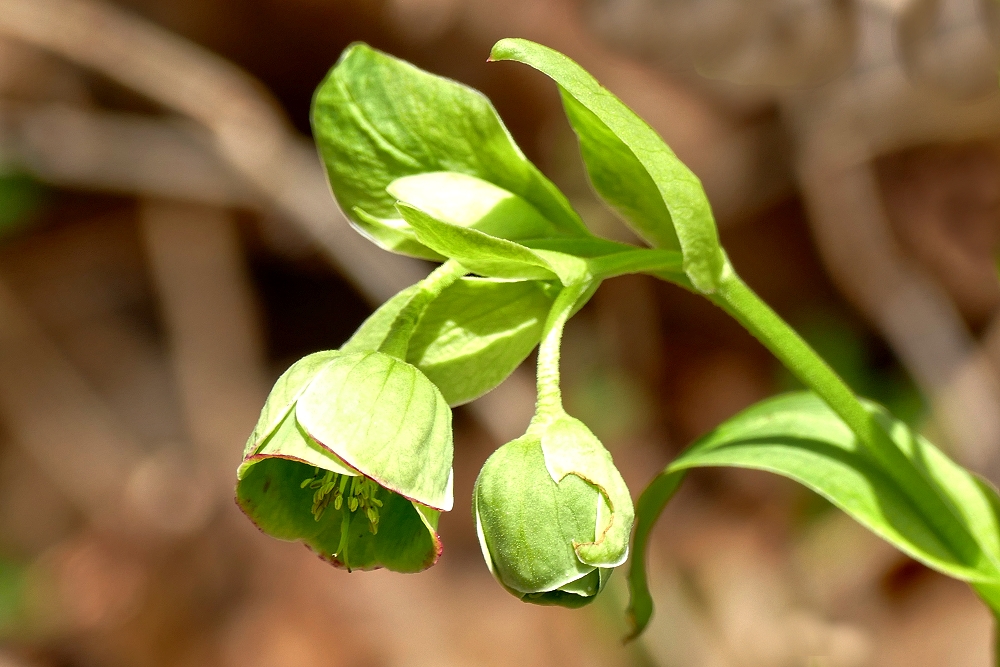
[
  {"x": 553, "y": 514},
  {"x": 352, "y": 456}
]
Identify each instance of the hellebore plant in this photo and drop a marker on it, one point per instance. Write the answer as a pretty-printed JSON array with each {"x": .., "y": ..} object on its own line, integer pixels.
[{"x": 352, "y": 454}]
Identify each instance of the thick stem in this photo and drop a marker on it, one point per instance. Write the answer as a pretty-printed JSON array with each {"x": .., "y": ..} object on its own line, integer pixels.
[
  {"x": 549, "y": 401},
  {"x": 737, "y": 299},
  {"x": 398, "y": 340}
]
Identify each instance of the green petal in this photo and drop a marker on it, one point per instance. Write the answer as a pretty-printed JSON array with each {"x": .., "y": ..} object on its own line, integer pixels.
[
  {"x": 283, "y": 395},
  {"x": 270, "y": 494},
  {"x": 575, "y": 594},
  {"x": 290, "y": 441},
  {"x": 571, "y": 449},
  {"x": 385, "y": 419}
]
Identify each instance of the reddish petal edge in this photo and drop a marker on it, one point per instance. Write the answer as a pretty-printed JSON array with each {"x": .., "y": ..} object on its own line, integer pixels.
[{"x": 332, "y": 560}]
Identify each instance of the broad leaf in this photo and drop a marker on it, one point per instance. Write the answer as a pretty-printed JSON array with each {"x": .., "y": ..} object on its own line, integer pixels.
[
  {"x": 799, "y": 437},
  {"x": 373, "y": 331},
  {"x": 630, "y": 165},
  {"x": 479, "y": 252},
  {"x": 471, "y": 337},
  {"x": 468, "y": 201},
  {"x": 476, "y": 333},
  {"x": 376, "y": 119},
  {"x": 392, "y": 235}
]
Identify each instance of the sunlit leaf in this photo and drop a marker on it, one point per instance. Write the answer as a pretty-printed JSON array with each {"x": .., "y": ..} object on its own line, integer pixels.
[
  {"x": 630, "y": 165},
  {"x": 477, "y": 332},
  {"x": 479, "y": 252},
  {"x": 798, "y": 436},
  {"x": 467, "y": 201},
  {"x": 376, "y": 119}
]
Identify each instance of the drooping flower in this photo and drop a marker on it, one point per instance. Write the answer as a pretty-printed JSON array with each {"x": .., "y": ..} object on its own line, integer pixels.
[{"x": 352, "y": 456}]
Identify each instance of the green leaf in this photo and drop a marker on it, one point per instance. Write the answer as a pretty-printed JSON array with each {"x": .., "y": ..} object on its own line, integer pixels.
[
  {"x": 476, "y": 333},
  {"x": 798, "y": 436},
  {"x": 393, "y": 235},
  {"x": 630, "y": 165},
  {"x": 283, "y": 395},
  {"x": 467, "y": 201},
  {"x": 470, "y": 338},
  {"x": 386, "y": 420},
  {"x": 376, "y": 119},
  {"x": 619, "y": 177},
  {"x": 477, "y": 251},
  {"x": 373, "y": 331}
]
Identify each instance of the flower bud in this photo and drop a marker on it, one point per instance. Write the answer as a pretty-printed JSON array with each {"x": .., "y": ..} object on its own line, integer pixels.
[
  {"x": 352, "y": 455},
  {"x": 553, "y": 514}
]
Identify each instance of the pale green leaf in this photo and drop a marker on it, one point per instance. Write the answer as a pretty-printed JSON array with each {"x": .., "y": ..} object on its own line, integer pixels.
[
  {"x": 470, "y": 338},
  {"x": 479, "y": 252},
  {"x": 618, "y": 147},
  {"x": 374, "y": 330},
  {"x": 477, "y": 332},
  {"x": 376, "y": 119},
  {"x": 393, "y": 235},
  {"x": 620, "y": 177},
  {"x": 467, "y": 201},
  {"x": 799, "y": 437}
]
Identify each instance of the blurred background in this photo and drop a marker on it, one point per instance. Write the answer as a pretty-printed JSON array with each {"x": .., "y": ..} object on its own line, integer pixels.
[{"x": 168, "y": 246}]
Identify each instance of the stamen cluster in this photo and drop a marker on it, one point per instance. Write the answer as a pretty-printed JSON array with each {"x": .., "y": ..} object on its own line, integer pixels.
[{"x": 333, "y": 487}]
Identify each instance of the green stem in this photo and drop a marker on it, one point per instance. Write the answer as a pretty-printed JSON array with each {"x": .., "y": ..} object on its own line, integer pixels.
[
  {"x": 737, "y": 299},
  {"x": 640, "y": 260},
  {"x": 398, "y": 340},
  {"x": 549, "y": 401}
]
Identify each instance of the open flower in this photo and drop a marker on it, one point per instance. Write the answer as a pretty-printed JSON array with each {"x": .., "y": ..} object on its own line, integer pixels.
[
  {"x": 553, "y": 514},
  {"x": 352, "y": 456}
]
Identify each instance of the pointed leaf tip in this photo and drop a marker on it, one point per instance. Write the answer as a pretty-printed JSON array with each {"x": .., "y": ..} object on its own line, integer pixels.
[{"x": 630, "y": 165}]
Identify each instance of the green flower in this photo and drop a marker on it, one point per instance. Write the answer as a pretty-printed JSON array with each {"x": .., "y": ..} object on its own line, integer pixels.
[
  {"x": 352, "y": 456},
  {"x": 553, "y": 514}
]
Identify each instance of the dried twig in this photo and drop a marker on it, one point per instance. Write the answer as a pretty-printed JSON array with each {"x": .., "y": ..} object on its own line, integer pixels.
[
  {"x": 842, "y": 127},
  {"x": 247, "y": 128},
  {"x": 65, "y": 426},
  {"x": 119, "y": 152},
  {"x": 198, "y": 269}
]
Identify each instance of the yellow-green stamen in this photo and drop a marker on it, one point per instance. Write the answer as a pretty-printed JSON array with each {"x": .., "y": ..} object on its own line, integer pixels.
[{"x": 360, "y": 493}]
